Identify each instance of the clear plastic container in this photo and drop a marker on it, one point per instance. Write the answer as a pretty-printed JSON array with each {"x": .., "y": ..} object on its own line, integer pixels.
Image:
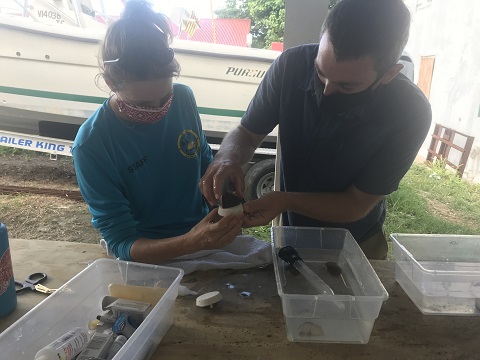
[
  {"x": 346, "y": 317},
  {"x": 440, "y": 273},
  {"x": 79, "y": 301}
]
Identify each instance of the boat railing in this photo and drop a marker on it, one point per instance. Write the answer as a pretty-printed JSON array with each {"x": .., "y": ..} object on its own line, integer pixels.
[{"x": 61, "y": 12}]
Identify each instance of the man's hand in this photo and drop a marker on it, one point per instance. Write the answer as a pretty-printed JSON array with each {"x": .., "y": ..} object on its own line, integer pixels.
[
  {"x": 217, "y": 173},
  {"x": 236, "y": 150},
  {"x": 262, "y": 211},
  {"x": 207, "y": 235}
]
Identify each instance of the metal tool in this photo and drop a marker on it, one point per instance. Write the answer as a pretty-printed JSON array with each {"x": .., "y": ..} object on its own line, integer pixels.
[
  {"x": 290, "y": 255},
  {"x": 32, "y": 282}
]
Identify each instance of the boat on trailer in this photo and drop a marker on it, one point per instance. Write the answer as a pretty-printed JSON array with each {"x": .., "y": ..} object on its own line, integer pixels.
[
  {"x": 49, "y": 67},
  {"x": 49, "y": 71}
]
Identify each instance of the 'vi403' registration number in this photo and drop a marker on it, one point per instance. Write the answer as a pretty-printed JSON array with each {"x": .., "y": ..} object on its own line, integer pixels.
[{"x": 50, "y": 15}]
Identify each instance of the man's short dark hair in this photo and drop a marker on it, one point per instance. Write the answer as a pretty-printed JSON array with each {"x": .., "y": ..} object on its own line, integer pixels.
[{"x": 378, "y": 28}]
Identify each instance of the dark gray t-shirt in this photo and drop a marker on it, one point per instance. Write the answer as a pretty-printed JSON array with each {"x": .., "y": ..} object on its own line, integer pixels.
[{"x": 371, "y": 146}]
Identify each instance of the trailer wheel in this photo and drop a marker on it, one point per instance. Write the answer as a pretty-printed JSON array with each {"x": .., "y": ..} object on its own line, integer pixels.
[{"x": 259, "y": 179}]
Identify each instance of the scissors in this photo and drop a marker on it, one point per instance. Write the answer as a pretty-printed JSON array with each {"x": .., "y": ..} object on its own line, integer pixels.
[{"x": 32, "y": 283}]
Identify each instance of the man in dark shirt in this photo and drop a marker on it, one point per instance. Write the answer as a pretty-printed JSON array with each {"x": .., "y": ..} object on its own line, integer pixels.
[{"x": 350, "y": 126}]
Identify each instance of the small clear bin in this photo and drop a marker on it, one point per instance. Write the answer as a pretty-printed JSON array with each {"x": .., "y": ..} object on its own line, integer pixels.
[
  {"x": 346, "y": 317},
  {"x": 440, "y": 273},
  {"x": 79, "y": 301}
]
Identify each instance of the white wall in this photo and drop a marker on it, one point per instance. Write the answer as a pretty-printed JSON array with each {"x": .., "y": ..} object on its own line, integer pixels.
[{"x": 450, "y": 30}]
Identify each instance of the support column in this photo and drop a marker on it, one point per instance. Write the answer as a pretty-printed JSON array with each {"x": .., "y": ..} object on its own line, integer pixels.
[{"x": 303, "y": 21}]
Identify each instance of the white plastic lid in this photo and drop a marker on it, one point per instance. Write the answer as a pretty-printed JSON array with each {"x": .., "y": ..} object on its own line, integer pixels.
[
  {"x": 43, "y": 357},
  {"x": 209, "y": 299},
  {"x": 233, "y": 210}
]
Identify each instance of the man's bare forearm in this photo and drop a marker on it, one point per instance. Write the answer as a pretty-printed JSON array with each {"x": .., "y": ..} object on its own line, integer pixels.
[
  {"x": 239, "y": 146},
  {"x": 339, "y": 207},
  {"x": 342, "y": 207}
]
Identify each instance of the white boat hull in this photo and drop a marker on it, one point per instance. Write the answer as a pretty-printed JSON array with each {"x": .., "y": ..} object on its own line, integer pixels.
[{"x": 48, "y": 75}]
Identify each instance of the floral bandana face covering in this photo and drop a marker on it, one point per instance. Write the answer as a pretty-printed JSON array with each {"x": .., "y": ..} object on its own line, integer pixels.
[{"x": 144, "y": 114}]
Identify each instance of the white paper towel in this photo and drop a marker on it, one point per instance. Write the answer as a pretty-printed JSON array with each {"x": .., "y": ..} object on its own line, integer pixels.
[{"x": 242, "y": 253}]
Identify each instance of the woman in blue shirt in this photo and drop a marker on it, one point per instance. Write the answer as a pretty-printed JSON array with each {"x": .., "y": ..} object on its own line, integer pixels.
[{"x": 140, "y": 156}]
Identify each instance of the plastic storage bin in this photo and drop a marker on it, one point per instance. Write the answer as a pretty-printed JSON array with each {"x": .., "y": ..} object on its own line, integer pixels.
[
  {"x": 440, "y": 273},
  {"x": 79, "y": 301},
  {"x": 346, "y": 317}
]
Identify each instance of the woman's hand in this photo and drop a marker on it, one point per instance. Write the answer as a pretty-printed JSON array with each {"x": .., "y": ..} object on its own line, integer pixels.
[{"x": 209, "y": 235}]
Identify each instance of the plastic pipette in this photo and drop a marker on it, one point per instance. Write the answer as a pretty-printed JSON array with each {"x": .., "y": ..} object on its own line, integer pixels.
[{"x": 290, "y": 255}]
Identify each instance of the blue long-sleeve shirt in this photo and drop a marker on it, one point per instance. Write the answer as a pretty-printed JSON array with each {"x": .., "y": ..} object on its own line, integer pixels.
[{"x": 141, "y": 180}]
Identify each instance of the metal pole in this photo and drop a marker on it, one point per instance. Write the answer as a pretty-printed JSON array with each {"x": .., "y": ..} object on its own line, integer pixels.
[
  {"x": 214, "y": 32},
  {"x": 78, "y": 14}
]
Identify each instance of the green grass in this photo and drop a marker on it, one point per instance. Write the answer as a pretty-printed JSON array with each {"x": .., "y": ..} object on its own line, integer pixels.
[
  {"x": 433, "y": 201},
  {"x": 428, "y": 201},
  {"x": 260, "y": 232},
  {"x": 9, "y": 151},
  {"x": 6, "y": 151}
]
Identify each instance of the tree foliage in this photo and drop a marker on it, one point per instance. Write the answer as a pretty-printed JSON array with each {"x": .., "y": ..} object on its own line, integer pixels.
[
  {"x": 267, "y": 17},
  {"x": 268, "y": 21},
  {"x": 234, "y": 9}
]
